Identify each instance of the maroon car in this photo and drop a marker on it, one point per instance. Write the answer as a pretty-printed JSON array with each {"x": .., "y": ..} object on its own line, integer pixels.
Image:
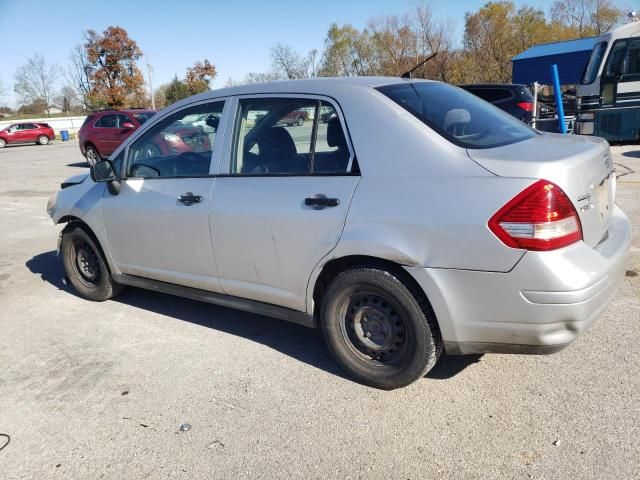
[
  {"x": 102, "y": 132},
  {"x": 27, "y": 132}
]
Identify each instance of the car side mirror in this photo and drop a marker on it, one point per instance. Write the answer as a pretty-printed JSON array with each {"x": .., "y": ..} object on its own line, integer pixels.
[
  {"x": 127, "y": 125},
  {"x": 103, "y": 172}
]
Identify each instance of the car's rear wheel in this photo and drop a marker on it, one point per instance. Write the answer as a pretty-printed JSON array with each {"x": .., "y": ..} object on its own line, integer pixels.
[
  {"x": 300, "y": 121},
  {"x": 378, "y": 329},
  {"x": 91, "y": 154},
  {"x": 85, "y": 267},
  {"x": 43, "y": 140},
  {"x": 3, "y": 143}
]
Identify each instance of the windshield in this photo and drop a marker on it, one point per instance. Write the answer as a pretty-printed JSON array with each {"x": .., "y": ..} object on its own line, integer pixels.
[
  {"x": 594, "y": 63},
  {"x": 143, "y": 116},
  {"x": 460, "y": 117}
]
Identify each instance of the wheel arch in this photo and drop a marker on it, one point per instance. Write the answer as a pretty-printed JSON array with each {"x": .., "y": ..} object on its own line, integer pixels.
[
  {"x": 328, "y": 271},
  {"x": 71, "y": 222}
]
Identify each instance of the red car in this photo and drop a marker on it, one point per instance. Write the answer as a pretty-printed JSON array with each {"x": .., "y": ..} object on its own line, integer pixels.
[
  {"x": 102, "y": 132},
  {"x": 40, "y": 133}
]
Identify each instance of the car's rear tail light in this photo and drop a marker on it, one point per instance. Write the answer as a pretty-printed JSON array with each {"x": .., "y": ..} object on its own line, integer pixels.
[
  {"x": 527, "y": 106},
  {"x": 541, "y": 217}
]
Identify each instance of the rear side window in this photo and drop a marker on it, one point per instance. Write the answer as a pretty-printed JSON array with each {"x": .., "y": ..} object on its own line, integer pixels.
[
  {"x": 87, "y": 120},
  {"x": 594, "y": 63},
  {"x": 492, "y": 94},
  {"x": 457, "y": 115},
  {"x": 107, "y": 121},
  {"x": 289, "y": 136}
]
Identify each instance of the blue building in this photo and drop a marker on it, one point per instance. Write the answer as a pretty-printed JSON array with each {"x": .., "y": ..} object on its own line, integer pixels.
[{"x": 534, "y": 64}]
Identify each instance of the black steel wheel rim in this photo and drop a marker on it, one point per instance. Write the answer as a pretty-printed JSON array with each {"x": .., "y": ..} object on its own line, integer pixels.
[
  {"x": 373, "y": 327},
  {"x": 86, "y": 263}
]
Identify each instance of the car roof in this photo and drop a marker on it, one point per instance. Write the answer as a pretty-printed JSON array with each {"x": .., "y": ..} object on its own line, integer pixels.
[
  {"x": 317, "y": 85},
  {"x": 483, "y": 85}
]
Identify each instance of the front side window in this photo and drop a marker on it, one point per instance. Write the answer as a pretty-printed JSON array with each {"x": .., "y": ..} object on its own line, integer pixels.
[
  {"x": 631, "y": 60},
  {"x": 290, "y": 136},
  {"x": 594, "y": 63},
  {"x": 457, "y": 115},
  {"x": 180, "y": 145},
  {"x": 614, "y": 61},
  {"x": 142, "y": 117}
]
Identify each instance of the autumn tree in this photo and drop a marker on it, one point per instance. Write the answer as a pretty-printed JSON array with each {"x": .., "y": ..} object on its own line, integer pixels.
[
  {"x": 198, "y": 78},
  {"x": 35, "y": 81},
  {"x": 587, "y": 18},
  {"x": 114, "y": 79}
]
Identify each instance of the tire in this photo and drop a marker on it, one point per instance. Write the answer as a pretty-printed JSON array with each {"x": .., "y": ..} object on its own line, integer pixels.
[
  {"x": 43, "y": 140},
  {"x": 92, "y": 155},
  {"x": 3, "y": 143},
  {"x": 378, "y": 329},
  {"x": 85, "y": 267},
  {"x": 299, "y": 121}
]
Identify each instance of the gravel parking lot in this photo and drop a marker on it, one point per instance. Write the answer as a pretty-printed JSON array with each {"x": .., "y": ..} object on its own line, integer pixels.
[{"x": 99, "y": 390}]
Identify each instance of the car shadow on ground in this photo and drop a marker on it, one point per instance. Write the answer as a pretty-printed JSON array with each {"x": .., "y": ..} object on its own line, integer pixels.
[
  {"x": 78, "y": 165},
  {"x": 302, "y": 343}
]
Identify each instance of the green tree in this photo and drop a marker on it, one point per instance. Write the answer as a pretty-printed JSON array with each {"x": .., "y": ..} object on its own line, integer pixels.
[
  {"x": 587, "y": 18},
  {"x": 176, "y": 90}
]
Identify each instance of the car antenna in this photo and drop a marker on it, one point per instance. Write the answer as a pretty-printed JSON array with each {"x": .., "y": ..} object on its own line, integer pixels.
[{"x": 408, "y": 73}]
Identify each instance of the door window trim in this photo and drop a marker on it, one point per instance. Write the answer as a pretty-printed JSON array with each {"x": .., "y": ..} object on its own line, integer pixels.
[
  {"x": 234, "y": 121},
  {"x": 157, "y": 118}
]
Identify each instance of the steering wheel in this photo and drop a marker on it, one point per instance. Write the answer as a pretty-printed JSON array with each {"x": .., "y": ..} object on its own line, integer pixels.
[{"x": 189, "y": 163}]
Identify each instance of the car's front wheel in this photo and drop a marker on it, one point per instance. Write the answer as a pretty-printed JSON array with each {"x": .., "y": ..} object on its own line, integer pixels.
[
  {"x": 85, "y": 267},
  {"x": 378, "y": 329},
  {"x": 92, "y": 155},
  {"x": 300, "y": 121},
  {"x": 43, "y": 140},
  {"x": 3, "y": 143}
]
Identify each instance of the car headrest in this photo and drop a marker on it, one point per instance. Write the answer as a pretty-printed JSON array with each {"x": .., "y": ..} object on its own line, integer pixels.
[
  {"x": 456, "y": 116},
  {"x": 277, "y": 142},
  {"x": 335, "y": 135}
]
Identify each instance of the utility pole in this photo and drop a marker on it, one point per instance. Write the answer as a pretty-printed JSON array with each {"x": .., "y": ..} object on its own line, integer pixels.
[{"x": 149, "y": 70}]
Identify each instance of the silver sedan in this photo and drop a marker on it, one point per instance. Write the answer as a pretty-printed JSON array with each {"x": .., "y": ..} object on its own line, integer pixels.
[{"x": 403, "y": 218}]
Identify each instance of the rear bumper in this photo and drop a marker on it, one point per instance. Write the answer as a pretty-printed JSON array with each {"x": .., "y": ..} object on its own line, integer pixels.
[{"x": 544, "y": 303}]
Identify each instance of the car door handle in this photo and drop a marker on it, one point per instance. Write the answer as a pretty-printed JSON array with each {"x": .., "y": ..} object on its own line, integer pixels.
[
  {"x": 189, "y": 198},
  {"x": 321, "y": 201}
]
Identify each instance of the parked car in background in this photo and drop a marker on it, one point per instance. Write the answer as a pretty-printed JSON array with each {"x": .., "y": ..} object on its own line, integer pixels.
[
  {"x": 455, "y": 229},
  {"x": 102, "y": 132},
  {"x": 27, "y": 132},
  {"x": 512, "y": 98},
  {"x": 295, "y": 118}
]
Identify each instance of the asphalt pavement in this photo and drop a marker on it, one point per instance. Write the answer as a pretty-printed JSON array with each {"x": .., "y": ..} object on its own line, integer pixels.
[{"x": 100, "y": 390}]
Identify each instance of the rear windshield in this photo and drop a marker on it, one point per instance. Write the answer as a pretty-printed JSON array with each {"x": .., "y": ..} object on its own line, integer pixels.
[
  {"x": 142, "y": 117},
  {"x": 460, "y": 117},
  {"x": 594, "y": 63}
]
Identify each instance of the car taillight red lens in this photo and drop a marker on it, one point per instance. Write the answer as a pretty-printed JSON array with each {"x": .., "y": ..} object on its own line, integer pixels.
[
  {"x": 528, "y": 106},
  {"x": 541, "y": 217}
]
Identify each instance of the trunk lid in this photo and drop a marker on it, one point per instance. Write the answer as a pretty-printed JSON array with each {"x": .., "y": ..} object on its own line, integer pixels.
[{"x": 581, "y": 166}]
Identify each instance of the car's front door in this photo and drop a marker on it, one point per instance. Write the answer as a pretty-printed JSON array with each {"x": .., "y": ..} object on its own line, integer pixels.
[
  {"x": 29, "y": 132},
  {"x": 103, "y": 132},
  {"x": 282, "y": 205},
  {"x": 157, "y": 225}
]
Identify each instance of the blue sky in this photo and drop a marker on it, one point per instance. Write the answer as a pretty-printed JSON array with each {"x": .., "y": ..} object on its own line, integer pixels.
[{"x": 234, "y": 35}]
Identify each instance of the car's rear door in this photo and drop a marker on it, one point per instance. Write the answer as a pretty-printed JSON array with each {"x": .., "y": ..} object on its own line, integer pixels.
[
  {"x": 157, "y": 226},
  {"x": 282, "y": 205}
]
